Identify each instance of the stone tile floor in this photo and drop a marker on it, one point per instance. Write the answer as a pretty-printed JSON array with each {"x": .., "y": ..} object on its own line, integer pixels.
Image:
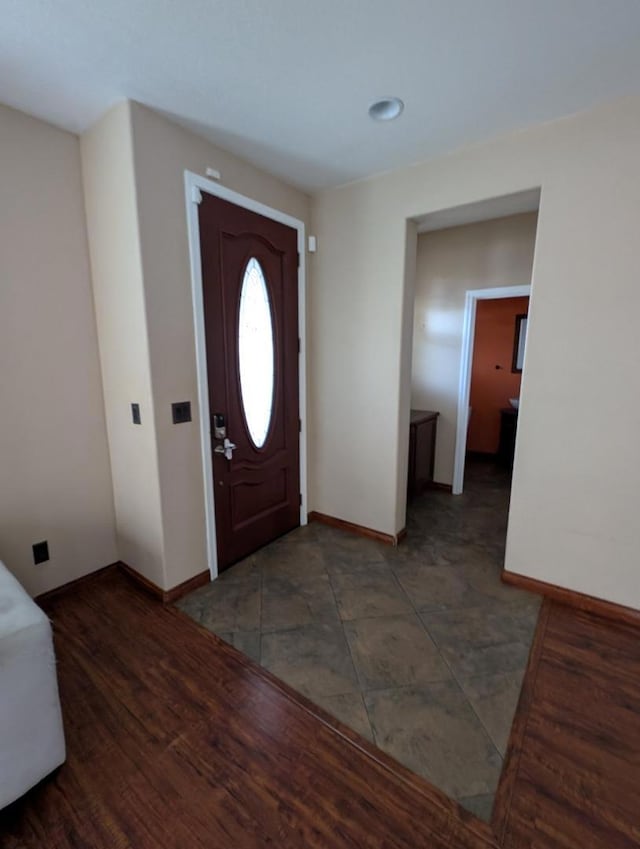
[{"x": 419, "y": 648}]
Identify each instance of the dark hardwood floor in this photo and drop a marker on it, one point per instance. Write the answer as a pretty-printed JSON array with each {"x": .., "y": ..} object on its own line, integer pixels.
[
  {"x": 572, "y": 778},
  {"x": 177, "y": 740}
]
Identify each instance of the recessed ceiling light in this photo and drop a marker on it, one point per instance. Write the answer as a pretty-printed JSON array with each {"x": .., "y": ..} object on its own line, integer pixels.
[{"x": 386, "y": 109}]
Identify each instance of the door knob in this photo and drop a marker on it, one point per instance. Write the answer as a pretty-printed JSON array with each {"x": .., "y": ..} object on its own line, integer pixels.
[{"x": 227, "y": 448}]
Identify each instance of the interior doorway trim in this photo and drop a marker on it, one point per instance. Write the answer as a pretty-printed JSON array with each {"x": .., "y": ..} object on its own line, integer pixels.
[
  {"x": 466, "y": 360},
  {"x": 194, "y": 185}
]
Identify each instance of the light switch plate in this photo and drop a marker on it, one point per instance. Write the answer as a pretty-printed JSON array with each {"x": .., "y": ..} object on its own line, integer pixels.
[{"x": 181, "y": 412}]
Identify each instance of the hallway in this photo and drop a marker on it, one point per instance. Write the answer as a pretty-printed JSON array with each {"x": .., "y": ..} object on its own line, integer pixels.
[{"x": 420, "y": 649}]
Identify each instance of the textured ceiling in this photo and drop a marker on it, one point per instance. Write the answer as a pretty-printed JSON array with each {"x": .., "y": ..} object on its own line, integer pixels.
[{"x": 287, "y": 83}]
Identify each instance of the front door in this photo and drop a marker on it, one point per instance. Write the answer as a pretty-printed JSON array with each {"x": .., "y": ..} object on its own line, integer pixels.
[{"x": 250, "y": 289}]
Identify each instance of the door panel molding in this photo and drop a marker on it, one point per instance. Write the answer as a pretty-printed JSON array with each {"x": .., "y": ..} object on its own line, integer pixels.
[{"x": 195, "y": 185}]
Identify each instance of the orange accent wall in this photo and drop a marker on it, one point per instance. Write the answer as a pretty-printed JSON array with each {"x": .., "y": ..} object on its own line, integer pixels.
[{"x": 491, "y": 388}]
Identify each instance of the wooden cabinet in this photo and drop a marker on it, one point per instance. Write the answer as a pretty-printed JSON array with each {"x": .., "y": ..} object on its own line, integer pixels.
[{"x": 422, "y": 449}]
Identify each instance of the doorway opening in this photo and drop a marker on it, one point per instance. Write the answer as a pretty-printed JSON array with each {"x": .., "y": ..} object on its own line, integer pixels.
[
  {"x": 473, "y": 275},
  {"x": 492, "y": 361},
  {"x": 248, "y": 289}
]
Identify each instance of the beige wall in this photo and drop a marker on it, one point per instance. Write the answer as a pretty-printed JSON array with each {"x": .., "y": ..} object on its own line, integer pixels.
[
  {"x": 55, "y": 482},
  {"x": 110, "y": 199},
  {"x": 575, "y": 498},
  {"x": 134, "y": 162},
  {"x": 488, "y": 254},
  {"x": 162, "y": 152}
]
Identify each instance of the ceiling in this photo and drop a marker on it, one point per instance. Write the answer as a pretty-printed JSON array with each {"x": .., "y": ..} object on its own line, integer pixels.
[
  {"x": 483, "y": 210},
  {"x": 287, "y": 83}
]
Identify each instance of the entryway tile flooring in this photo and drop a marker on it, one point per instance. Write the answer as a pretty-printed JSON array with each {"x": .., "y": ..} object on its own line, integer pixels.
[{"x": 421, "y": 648}]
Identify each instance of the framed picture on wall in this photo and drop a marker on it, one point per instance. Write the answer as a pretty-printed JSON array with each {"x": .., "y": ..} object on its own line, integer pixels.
[{"x": 519, "y": 340}]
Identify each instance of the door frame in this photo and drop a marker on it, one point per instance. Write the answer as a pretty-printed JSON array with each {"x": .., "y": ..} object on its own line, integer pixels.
[
  {"x": 194, "y": 185},
  {"x": 466, "y": 361}
]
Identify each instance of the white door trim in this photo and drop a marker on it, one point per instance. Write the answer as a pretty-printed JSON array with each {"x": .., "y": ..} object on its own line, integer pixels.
[
  {"x": 464, "y": 387},
  {"x": 194, "y": 184}
]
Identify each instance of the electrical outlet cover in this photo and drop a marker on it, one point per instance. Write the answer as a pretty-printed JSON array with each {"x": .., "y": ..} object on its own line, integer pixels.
[{"x": 40, "y": 552}]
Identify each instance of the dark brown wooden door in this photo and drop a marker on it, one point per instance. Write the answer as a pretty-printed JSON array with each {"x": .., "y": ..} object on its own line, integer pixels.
[{"x": 250, "y": 288}]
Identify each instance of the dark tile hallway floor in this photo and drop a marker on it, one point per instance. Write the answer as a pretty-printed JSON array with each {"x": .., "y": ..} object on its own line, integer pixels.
[{"x": 419, "y": 648}]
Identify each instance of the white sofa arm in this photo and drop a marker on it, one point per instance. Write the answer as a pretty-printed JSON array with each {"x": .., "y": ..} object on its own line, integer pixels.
[{"x": 31, "y": 733}]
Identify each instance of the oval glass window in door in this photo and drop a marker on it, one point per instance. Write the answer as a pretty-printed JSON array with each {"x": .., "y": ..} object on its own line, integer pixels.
[{"x": 255, "y": 352}]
